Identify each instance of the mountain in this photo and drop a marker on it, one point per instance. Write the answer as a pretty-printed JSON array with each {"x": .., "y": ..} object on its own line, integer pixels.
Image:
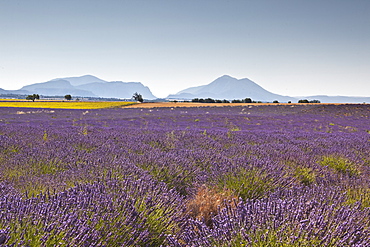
[
  {"x": 118, "y": 89},
  {"x": 88, "y": 86},
  {"x": 58, "y": 87},
  {"x": 78, "y": 81},
  {"x": 227, "y": 87}
]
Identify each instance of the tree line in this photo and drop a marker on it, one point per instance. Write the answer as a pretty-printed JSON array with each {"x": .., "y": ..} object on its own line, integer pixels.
[
  {"x": 246, "y": 100},
  {"x": 210, "y": 100}
]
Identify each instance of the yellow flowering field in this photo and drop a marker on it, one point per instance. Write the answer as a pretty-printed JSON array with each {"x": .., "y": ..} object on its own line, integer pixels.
[{"x": 64, "y": 104}]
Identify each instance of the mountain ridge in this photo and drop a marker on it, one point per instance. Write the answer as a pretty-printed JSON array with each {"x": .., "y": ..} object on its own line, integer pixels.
[
  {"x": 224, "y": 87},
  {"x": 87, "y": 86}
]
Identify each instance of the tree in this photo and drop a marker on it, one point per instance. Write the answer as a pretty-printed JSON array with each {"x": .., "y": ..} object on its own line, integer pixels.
[
  {"x": 247, "y": 100},
  {"x": 33, "y": 97},
  {"x": 275, "y": 101},
  {"x": 209, "y": 100},
  {"x": 68, "y": 97},
  {"x": 138, "y": 97},
  {"x": 303, "y": 101}
]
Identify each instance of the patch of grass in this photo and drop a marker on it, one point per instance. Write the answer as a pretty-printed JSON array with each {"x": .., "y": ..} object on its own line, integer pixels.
[
  {"x": 45, "y": 136},
  {"x": 235, "y": 128},
  {"x": 85, "y": 147},
  {"x": 305, "y": 175},
  {"x": 340, "y": 165},
  {"x": 33, "y": 168},
  {"x": 85, "y": 131},
  {"x": 175, "y": 176},
  {"x": 361, "y": 195},
  {"x": 247, "y": 183}
]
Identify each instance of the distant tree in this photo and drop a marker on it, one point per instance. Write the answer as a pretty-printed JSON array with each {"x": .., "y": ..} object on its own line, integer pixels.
[
  {"x": 236, "y": 101},
  {"x": 138, "y": 97},
  {"x": 195, "y": 100},
  {"x": 247, "y": 100},
  {"x": 275, "y": 101},
  {"x": 33, "y": 97},
  {"x": 315, "y": 101},
  {"x": 209, "y": 100},
  {"x": 225, "y": 101},
  {"x": 303, "y": 101},
  {"x": 68, "y": 97},
  {"x": 289, "y": 102}
]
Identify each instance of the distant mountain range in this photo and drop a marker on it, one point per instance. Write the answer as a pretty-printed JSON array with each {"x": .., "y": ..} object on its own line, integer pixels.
[
  {"x": 227, "y": 87},
  {"x": 224, "y": 87},
  {"x": 85, "y": 86}
]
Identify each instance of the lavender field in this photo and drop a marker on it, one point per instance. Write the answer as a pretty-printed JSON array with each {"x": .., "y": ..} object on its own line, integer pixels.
[{"x": 257, "y": 175}]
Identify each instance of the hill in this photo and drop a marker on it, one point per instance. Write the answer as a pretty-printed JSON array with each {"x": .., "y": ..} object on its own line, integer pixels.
[{"x": 227, "y": 87}]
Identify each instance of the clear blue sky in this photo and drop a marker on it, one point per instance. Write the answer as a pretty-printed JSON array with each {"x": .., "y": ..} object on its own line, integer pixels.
[{"x": 289, "y": 47}]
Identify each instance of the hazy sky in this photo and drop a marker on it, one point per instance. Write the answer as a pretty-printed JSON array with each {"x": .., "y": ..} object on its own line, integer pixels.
[{"x": 289, "y": 47}]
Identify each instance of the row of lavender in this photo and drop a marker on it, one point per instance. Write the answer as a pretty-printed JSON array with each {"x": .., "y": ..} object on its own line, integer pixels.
[{"x": 210, "y": 176}]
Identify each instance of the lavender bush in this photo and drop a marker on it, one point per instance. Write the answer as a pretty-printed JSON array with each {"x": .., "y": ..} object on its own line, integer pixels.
[{"x": 278, "y": 175}]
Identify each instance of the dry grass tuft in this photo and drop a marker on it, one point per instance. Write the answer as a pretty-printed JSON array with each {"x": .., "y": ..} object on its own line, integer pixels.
[{"x": 207, "y": 202}]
